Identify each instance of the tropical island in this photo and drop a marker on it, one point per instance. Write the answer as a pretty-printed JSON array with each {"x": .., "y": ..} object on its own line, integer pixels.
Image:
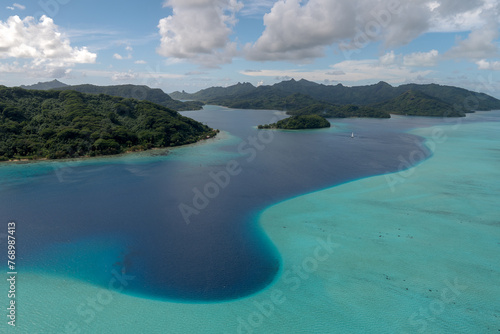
[
  {"x": 38, "y": 124},
  {"x": 380, "y": 100},
  {"x": 299, "y": 123},
  {"x": 52, "y": 120}
]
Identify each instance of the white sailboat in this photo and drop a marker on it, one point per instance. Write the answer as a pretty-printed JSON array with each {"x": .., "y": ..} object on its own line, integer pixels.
[{"x": 352, "y": 135}]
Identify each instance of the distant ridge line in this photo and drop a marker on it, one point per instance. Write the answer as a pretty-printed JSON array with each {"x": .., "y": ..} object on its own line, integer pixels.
[{"x": 293, "y": 96}]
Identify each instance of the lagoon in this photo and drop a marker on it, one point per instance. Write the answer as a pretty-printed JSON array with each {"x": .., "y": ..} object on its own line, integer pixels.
[{"x": 83, "y": 224}]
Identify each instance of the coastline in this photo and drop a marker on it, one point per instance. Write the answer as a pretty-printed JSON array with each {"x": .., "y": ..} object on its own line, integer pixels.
[
  {"x": 17, "y": 172},
  {"x": 86, "y": 157},
  {"x": 221, "y": 135},
  {"x": 350, "y": 253}
]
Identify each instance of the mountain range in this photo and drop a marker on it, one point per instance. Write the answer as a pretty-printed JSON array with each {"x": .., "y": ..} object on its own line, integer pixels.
[
  {"x": 45, "y": 85},
  {"x": 139, "y": 92},
  {"x": 304, "y": 97},
  {"x": 381, "y": 99}
]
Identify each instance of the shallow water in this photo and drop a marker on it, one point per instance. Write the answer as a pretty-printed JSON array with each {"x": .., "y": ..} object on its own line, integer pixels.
[
  {"x": 414, "y": 251},
  {"x": 411, "y": 251},
  {"x": 184, "y": 223}
]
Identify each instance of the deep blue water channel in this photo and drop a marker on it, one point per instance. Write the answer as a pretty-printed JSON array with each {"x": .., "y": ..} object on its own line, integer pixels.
[{"x": 98, "y": 220}]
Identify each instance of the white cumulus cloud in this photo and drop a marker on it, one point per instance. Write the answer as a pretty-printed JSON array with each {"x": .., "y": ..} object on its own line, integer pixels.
[
  {"x": 483, "y": 64},
  {"x": 460, "y": 15},
  {"x": 388, "y": 59},
  {"x": 301, "y": 30},
  {"x": 481, "y": 43},
  {"x": 423, "y": 59},
  {"x": 373, "y": 70},
  {"x": 199, "y": 31},
  {"x": 42, "y": 44},
  {"x": 296, "y": 31},
  {"x": 350, "y": 72}
]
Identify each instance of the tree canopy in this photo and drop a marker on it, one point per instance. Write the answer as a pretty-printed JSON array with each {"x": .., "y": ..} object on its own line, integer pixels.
[
  {"x": 38, "y": 124},
  {"x": 379, "y": 100},
  {"x": 298, "y": 123}
]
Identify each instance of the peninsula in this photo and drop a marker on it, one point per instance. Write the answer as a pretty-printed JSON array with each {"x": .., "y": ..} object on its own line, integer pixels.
[{"x": 38, "y": 124}]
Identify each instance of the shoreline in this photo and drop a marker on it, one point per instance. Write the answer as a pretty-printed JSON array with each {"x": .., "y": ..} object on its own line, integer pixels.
[
  {"x": 342, "y": 270},
  {"x": 344, "y": 266},
  {"x": 167, "y": 151},
  {"x": 24, "y": 161}
]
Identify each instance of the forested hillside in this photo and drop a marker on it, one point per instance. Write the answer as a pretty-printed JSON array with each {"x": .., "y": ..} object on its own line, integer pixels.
[
  {"x": 139, "y": 92},
  {"x": 300, "y": 122},
  {"x": 61, "y": 124},
  {"x": 378, "y": 100},
  {"x": 417, "y": 103}
]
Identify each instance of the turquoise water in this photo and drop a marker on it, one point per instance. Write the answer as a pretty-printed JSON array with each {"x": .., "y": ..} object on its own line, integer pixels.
[
  {"x": 413, "y": 251},
  {"x": 185, "y": 223},
  {"x": 416, "y": 251}
]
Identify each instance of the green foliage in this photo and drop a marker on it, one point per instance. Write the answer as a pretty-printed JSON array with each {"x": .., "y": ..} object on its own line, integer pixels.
[
  {"x": 409, "y": 103},
  {"x": 212, "y": 93},
  {"x": 335, "y": 111},
  {"x": 63, "y": 124},
  {"x": 299, "y": 122},
  {"x": 143, "y": 93},
  {"x": 416, "y": 103},
  {"x": 107, "y": 146},
  {"x": 302, "y": 97},
  {"x": 266, "y": 100}
]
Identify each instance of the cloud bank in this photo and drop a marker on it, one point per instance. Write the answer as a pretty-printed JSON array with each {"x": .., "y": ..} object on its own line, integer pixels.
[
  {"x": 350, "y": 71},
  {"x": 422, "y": 59},
  {"x": 299, "y": 31},
  {"x": 199, "y": 31},
  {"x": 44, "y": 48},
  {"x": 488, "y": 65}
]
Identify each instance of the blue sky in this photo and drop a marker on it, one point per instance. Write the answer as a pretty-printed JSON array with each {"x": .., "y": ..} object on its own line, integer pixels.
[{"x": 194, "y": 44}]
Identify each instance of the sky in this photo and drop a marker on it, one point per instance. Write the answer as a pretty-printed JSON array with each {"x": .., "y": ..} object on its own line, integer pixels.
[{"x": 194, "y": 44}]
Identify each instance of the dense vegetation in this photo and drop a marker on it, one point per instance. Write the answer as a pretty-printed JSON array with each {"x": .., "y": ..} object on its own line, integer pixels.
[
  {"x": 416, "y": 103},
  {"x": 59, "y": 124},
  {"x": 336, "y": 111},
  {"x": 211, "y": 93},
  {"x": 267, "y": 100},
  {"x": 154, "y": 95},
  {"x": 298, "y": 123},
  {"x": 305, "y": 97}
]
